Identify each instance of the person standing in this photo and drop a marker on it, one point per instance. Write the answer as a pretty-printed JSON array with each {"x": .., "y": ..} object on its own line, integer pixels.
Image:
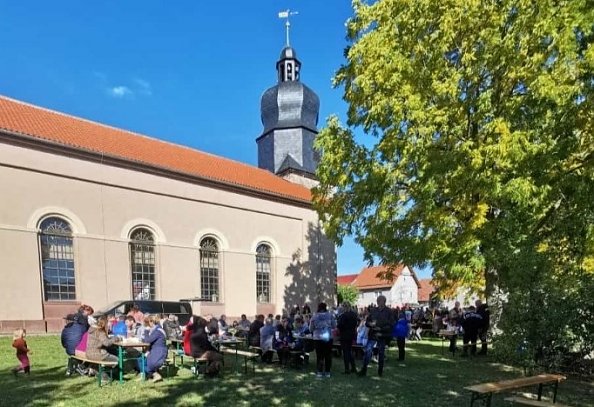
[
  {"x": 321, "y": 325},
  {"x": 471, "y": 323},
  {"x": 454, "y": 318},
  {"x": 483, "y": 311},
  {"x": 254, "y": 331},
  {"x": 22, "y": 351},
  {"x": 380, "y": 323},
  {"x": 401, "y": 330},
  {"x": 347, "y": 328}
]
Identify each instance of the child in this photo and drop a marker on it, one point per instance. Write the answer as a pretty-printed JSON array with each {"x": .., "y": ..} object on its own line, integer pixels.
[
  {"x": 401, "y": 331},
  {"x": 22, "y": 350}
]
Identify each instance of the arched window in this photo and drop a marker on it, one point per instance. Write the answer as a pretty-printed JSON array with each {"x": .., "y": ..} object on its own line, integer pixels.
[
  {"x": 263, "y": 268},
  {"x": 142, "y": 264},
  {"x": 209, "y": 270},
  {"x": 57, "y": 260}
]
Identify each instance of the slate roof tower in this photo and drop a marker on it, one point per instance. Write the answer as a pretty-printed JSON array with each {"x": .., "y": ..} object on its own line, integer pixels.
[{"x": 289, "y": 112}]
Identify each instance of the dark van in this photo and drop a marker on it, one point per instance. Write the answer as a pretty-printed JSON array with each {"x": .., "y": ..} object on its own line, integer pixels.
[{"x": 181, "y": 309}]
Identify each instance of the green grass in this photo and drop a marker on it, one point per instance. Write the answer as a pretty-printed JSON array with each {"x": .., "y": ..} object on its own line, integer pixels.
[{"x": 429, "y": 379}]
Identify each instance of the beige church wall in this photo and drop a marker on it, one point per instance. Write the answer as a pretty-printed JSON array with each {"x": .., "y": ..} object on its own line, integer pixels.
[
  {"x": 117, "y": 272},
  {"x": 239, "y": 279},
  {"x": 20, "y": 291},
  {"x": 179, "y": 213},
  {"x": 91, "y": 284},
  {"x": 177, "y": 273}
]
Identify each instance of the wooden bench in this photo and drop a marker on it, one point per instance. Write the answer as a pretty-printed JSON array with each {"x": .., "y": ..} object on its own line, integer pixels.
[
  {"x": 246, "y": 357},
  {"x": 100, "y": 363},
  {"x": 531, "y": 402},
  {"x": 486, "y": 390},
  {"x": 196, "y": 362}
]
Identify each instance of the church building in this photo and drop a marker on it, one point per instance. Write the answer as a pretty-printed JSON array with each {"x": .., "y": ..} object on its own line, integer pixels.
[{"x": 94, "y": 214}]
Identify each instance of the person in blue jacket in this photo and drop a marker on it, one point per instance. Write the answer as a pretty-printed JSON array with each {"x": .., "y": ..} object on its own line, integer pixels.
[
  {"x": 73, "y": 332},
  {"x": 157, "y": 352},
  {"x": 401, "y": 331}
]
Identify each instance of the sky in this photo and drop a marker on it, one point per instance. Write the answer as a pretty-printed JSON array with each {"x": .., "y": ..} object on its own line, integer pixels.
[{"x": 186, "y": 71}]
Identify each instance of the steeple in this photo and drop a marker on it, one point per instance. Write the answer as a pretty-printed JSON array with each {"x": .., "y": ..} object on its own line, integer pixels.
[{"x": 289, "y": 112}]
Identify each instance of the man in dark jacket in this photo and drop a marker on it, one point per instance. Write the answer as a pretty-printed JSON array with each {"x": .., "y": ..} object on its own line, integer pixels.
[
  {"x": 471, "y": 322},
  {"x": 483, "y": 311},
  {"x": 380, "y": 323},
  {"x": 72, "y": 333},
  {"x": 254, "y": 332},
  {"x": 347, "y": 328}
]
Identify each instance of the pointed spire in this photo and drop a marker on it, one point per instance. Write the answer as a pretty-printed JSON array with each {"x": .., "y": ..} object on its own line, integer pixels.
[{"x": 286, "y": 15}]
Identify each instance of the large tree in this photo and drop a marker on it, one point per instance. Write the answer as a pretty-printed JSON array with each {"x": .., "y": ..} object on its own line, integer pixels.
[{"x": 469, "y": 142}]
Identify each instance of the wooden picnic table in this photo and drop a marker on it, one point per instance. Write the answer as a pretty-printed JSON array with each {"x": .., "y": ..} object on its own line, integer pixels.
[
  {"x": 122, "y": 347},
  {"x": 485, "y": 391}
]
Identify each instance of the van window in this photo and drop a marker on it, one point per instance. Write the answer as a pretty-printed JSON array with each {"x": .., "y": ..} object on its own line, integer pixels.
[
  {"x": 149, "y": 307},
  {"x": 171, "y": 308}
]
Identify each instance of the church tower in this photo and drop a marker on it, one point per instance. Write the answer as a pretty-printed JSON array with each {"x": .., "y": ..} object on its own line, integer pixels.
[{"x": 289, "y": 112}]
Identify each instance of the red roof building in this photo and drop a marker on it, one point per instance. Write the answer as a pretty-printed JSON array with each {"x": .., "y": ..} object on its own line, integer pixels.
[
  {"x": 426, "y": 290},
  {"x": 346, "y": 279}
]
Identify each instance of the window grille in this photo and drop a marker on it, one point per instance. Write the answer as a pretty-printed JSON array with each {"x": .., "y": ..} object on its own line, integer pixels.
[
  {"x": 209, "y": 270},
  {"x": 57, "y": 260},
  {"x": 263, "y": 269},
  {"x": 142, "y": 264}
]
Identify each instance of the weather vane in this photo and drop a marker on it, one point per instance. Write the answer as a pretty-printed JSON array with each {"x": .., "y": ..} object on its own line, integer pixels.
[{"x": 286, "y": 14}]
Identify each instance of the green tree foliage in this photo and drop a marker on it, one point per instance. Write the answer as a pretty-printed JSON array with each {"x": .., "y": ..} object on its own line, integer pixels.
[
  {"x": 475, "y": 147},
  {"x": 348, "y": 293}
]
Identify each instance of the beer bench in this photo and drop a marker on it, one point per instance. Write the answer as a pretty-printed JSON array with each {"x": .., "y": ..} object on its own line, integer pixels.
[
  {"x": 100, "y": 363},
  {"x": 247, "y": 356},
  {"x": 485, "y": 391}
]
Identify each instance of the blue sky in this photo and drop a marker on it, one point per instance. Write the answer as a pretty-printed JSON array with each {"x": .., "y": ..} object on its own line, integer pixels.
[{"x": 191, "y": 72}]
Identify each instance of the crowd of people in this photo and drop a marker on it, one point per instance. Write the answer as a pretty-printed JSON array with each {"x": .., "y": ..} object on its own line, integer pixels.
[{"x": 293, "y": 335}]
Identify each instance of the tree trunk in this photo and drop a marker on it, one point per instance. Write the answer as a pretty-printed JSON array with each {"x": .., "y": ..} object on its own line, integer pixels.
[{"x": 495, "y": 299}]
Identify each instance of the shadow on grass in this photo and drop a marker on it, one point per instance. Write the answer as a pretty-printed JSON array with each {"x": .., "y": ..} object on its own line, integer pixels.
[{"x": 427, "y": 378}]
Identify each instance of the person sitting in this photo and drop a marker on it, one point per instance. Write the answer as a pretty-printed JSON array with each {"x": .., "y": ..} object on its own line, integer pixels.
[
  {"x": 171, "y": 327},
  {"x": 187, "y": 333},
  {"x": 243, "y": 327},
  {"x": 267, "y": 333},
  {"x": 131, "y": 327},
  {"x": 98, "y": 342},
  {"x": 254, "y": 332},
  {"x": 212, "y": 326},
  {"x": 201, "y": 346},
  {"x": 223, "y": 326},
  {"x": 305, "y": 310},
  {"x": 72, "y": 334},
  {"x": 137, "y": 314},
  {"x": 120, "y": 328},
  {"x": 157, "y": 351},
  {"x": 283, "y": 340}
]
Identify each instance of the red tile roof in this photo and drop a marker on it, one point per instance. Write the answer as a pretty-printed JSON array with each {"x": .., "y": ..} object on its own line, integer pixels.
[
  {"x": 369, "y": 279},
  {"x": 346, "y": 279},
  {"x": 27, "y": 120},
  {"x": 425, "y": 290}
]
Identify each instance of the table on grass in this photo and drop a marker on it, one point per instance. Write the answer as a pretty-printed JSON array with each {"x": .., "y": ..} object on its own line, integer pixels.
[
  {"x": 485, "y": 391},
  {"x": 122, "y": 353},
  {"x": 232, "y": 343}
]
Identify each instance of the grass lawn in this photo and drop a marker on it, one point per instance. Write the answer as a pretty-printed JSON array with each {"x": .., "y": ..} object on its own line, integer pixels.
[{"x": 429, "y": 379}]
